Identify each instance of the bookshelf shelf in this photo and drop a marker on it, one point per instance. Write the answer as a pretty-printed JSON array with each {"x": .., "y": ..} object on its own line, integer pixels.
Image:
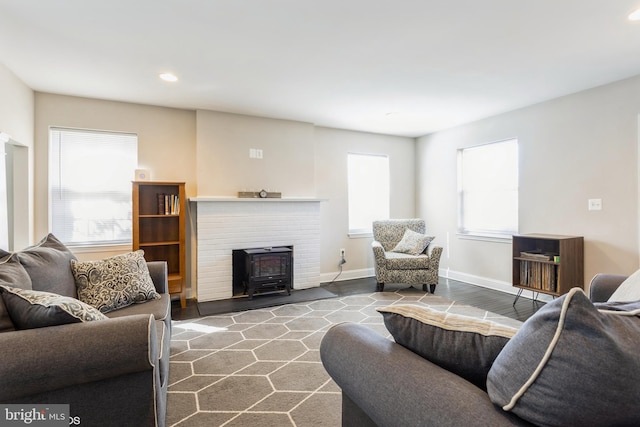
[{"x": 159, "y": 210}]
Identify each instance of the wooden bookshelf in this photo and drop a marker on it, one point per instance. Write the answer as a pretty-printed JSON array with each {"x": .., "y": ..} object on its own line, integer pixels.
[
  {"x": 537, "y": 268},
  {"x": 159, "y": 210}
]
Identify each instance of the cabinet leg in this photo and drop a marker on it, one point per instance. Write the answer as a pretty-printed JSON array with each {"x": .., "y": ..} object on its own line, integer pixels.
[{"x": 518, "y": 296}]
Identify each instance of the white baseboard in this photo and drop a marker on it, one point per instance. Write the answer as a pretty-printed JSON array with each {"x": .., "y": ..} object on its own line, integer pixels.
[
  {"x": 347, "y": 275},
  {"x": 496, "y": 285}
]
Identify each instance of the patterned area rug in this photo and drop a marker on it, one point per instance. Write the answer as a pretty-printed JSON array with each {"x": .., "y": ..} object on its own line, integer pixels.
[{"x": 262, "y": 367}]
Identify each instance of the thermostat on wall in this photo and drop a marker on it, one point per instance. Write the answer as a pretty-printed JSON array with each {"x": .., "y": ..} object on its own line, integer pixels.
[{"x": 143, "y": 175}]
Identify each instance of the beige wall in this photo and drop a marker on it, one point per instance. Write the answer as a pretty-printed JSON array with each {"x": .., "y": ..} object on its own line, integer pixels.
[
  {"x": 224, "y": 165},
  {"x": 17, "y": 120},
  {"x": 572, "y": 149},
  {"x": 332, "y": 147},
  {"x": 166, "y": 146},
  {"x": 210, "y": 151}
]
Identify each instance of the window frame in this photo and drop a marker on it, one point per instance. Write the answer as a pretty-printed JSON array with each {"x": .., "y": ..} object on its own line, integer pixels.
[{"x": 505, "y": 234}]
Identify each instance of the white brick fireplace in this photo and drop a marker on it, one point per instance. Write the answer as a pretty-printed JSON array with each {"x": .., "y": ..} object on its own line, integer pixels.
[{"x": 224, "y": 224}]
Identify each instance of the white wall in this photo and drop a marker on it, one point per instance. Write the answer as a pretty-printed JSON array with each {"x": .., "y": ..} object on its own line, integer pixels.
[
  {"x": 572, "y": 149},
  {"x": 17, "y": 120}
]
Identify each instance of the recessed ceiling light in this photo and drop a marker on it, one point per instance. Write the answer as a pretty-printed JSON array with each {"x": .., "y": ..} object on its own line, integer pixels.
[
  {"x": 635, "y": 15},
  {"x": 168, "y": 77}
]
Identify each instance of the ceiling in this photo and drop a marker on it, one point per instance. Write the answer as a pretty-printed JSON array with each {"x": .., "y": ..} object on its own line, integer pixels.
[{"x": 400, "y": 67}]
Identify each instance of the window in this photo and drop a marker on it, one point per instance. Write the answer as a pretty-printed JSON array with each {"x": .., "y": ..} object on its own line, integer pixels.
[
  {"x": 488, "y": 189},
  {"x": 90, "y": 175},
  {"x": 368, "y": 182}
]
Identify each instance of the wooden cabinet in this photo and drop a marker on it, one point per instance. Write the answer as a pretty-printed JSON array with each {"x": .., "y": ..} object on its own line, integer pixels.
[
  {"x": 159, "y": 210},
  {"x": 550, "y": 264}
]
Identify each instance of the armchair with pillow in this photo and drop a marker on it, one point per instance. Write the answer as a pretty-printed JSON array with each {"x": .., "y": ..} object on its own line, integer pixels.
[
  {"x": 574, "y": 362},
  {"x": 94, "y": 335},
  {"x": 403, "y": 254}
]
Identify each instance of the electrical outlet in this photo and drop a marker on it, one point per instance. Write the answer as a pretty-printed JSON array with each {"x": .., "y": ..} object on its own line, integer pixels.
[{"x": 342, "y": 253}]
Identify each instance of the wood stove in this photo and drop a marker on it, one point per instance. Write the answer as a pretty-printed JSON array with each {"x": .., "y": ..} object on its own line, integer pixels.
[{"x": 262, "y": 270}]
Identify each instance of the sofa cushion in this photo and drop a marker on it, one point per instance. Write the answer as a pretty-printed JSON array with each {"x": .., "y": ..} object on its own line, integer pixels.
[
  {"x": 114, "y": 282},
  {"x": 463, "y": 345},
  {"x": 12, "y": 273},
  {"x": 398, "y": 261},
  {"x": 629, "y": 290},
  {"x": 570, "y": 364},
  {"x": 36, "y": 309},
  {"x": 47, "y": 264},
  {"x": 413, "y": 243}
]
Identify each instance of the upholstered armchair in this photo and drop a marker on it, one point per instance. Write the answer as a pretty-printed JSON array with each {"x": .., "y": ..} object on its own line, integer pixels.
[{"x": 403, "y": 256}]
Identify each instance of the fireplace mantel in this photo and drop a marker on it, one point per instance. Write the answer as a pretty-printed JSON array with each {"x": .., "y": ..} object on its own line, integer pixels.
[
  {"x": 252, "y": 199},
  {"x": 225, "y": 224}
]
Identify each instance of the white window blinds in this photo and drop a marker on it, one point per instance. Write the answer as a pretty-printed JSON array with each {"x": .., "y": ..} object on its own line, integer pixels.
[
  {"x": 488, "y": 189},
  {"x": 90, "y": 174},
  {"x": 368, "y": 181}
]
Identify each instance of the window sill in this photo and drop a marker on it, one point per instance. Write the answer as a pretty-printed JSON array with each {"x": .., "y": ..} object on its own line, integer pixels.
[
  {"x": 496, "y": 238},
  {"x": 85, "y": 249},
  {"x": 360, "y": 234}
]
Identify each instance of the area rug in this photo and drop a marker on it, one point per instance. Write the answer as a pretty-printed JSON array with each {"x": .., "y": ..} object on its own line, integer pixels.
[{"x": 262, "y": 367}]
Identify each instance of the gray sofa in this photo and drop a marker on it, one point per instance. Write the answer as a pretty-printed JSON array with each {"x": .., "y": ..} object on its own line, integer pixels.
[
  {"x": 111, "y": 372},
  {"x": 385, "y": 384}
]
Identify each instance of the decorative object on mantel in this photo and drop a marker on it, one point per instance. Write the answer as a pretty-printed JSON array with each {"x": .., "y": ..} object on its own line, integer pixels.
[{"x": 262, "y": 194}]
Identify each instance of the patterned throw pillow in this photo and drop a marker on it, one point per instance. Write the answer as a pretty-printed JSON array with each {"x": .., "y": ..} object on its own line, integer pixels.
[
  {"x": 572, "y": 364},
  {"x": 413, "y": 243},
  {"x": 114, "y": 282},
  {"x": 30, "y": 309},
  {"x": 460, "y": 344}
]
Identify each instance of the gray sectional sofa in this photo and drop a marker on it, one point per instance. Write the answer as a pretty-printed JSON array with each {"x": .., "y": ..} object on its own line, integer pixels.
[
  {"x": 112, "y": 371},
  {"x": 573, "y": 363}
]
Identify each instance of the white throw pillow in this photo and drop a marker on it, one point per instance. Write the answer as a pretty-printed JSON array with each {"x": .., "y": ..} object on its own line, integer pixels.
[{"x": 628, "y": 291}]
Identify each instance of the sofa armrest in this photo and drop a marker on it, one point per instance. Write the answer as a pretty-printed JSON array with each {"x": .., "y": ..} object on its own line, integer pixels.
[
  {"x": 159, "y": 275},
  {"x": 604, "y": 285},
  {"x": 51, "y": 358},
  {"x": 394, "y": 386},
  {"x": 434, "y": 257},
  {"x": 378, "y": 253}
]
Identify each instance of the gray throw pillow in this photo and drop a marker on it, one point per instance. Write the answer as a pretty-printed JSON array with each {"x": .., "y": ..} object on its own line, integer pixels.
[
  {"x": 47, "y": 264},
  {"x": 413, "y": 243},
  {"x": 571, "y": 364},
  {"x": 114, "y": 282},
  {"x": 460, "y": 344},
  {"x": 35, "y": 309}
]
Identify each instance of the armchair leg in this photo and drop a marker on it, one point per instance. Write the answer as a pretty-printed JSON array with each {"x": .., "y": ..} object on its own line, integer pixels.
[
  {"x": 432, "y": 288},
  {"x": 379, "y": 287}
]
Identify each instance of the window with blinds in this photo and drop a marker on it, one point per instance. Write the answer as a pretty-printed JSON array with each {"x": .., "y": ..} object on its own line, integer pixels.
[
  {"x": 368, "y": 191},
  {"x": 488, "y": 190},
  {"x": 90, "y": 174}
]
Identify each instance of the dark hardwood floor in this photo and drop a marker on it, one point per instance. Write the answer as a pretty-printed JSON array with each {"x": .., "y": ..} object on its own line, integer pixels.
[{"x": 476, "y": 296}]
